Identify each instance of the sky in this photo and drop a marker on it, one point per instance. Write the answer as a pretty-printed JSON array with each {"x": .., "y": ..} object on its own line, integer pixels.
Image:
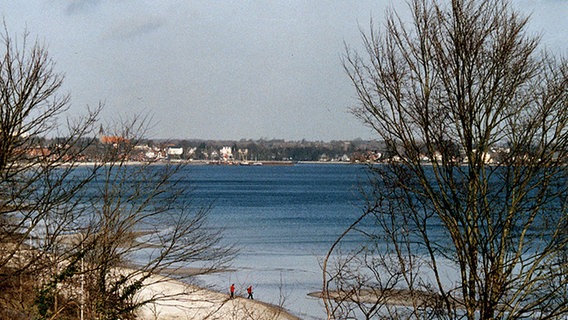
[{"x": 208, "y": 69}]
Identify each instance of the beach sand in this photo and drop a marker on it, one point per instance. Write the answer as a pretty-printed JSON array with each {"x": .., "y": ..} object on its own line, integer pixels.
[{"x": 175, "y": 300}]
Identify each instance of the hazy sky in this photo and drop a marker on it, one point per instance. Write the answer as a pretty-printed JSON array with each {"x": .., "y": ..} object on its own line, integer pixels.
[{"x": 222, "y": 69}]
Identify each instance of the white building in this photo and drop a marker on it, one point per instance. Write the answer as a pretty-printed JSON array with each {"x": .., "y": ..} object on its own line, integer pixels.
[
  {"x": 174, "y": 151},
  {"x": 226, "y": 153}
]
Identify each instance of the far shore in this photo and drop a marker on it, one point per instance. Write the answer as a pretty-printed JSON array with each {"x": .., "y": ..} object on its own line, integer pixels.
[{"x": 209, "y": 163}]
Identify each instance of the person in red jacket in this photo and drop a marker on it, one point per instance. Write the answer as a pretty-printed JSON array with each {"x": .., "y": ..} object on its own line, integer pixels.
[
  {"x": 232, "y": 289},
  {"x": 249, "y": 290}
]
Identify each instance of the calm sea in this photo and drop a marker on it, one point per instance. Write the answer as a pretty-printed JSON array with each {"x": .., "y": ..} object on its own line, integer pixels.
[{"x": 283, "y": 219}]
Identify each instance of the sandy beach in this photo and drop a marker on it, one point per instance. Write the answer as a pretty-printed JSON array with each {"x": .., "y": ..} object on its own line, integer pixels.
[{"x": 175, "y": 300}]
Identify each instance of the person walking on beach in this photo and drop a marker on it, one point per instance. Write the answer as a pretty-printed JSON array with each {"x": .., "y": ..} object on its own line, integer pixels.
[
  {"x": 249, "y": 290},
  {"x": 232, "y": 289}
]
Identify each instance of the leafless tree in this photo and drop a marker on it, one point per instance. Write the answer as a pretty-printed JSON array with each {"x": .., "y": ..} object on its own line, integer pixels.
[
  {"x": 36, "y": 194},
  {"x": 84, "y": 239},
  {"x": 140, "y": 217},
  {"x": 480, "y": 239}
]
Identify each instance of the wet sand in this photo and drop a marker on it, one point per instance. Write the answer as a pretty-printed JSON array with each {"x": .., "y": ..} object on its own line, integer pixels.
[{"x": 173, "y": 299}]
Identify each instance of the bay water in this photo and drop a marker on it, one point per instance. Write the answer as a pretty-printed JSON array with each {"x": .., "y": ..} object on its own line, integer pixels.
[{"x": 283, "y": 220}]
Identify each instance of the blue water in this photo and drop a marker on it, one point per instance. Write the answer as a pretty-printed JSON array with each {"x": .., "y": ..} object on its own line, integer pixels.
[{"x": 283, "y": 219}]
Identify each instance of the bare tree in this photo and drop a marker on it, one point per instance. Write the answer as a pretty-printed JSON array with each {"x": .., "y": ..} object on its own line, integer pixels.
[
  {"x": 141, "y": 224},
  {"x": 479, "y": 239},
  {"x": 84, "y": 239},
  {"x": 34, "y": 200}
]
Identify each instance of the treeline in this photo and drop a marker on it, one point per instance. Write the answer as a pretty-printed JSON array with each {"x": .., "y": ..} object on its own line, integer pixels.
[
  {"x": 93, "y": 149},
  {"x": 274, "y": 149}
]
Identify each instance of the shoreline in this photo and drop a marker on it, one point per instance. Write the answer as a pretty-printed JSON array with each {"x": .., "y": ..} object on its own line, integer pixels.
[
  {"x": 175, "y": 300},
  {"x": 208, "y": 163}
]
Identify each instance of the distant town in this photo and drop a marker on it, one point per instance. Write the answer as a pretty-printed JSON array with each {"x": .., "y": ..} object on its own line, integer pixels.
[
  {"x": 266, "y": 151},
  {"x": 218, "y": 151},
  {"x": 242, "y": 152}
]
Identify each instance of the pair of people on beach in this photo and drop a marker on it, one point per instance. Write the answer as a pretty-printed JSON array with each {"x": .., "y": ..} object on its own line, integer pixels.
[{"x": 249, "y": 291}]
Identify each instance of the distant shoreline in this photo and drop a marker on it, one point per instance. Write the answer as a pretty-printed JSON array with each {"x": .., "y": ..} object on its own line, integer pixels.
[{"x": 210, "y": 163}]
